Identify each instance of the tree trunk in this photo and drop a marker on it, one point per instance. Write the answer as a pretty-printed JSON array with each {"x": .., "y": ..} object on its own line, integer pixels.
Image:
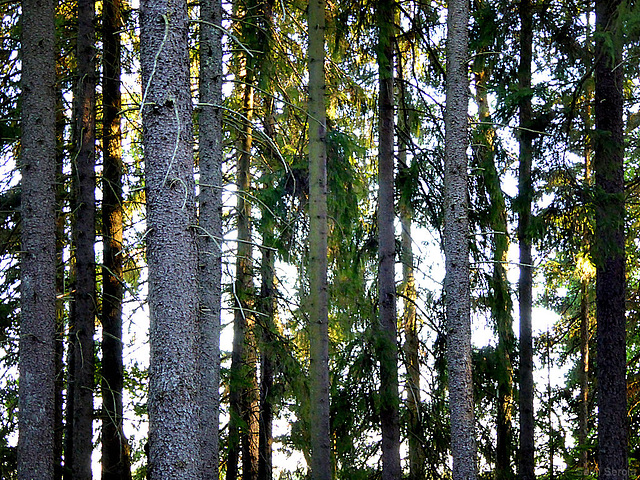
[
  {"x": 174, "y": 449},
  {"x": 210, "y": 233},
  {"x": 243, "y": 382},
  {"x": 526, "y": 468},
  {"x": 83, "y": 229},
  {"x": 387, "y": 344},
  {"x": 268, "y": 309},
  {"x": 456, "y": 243},
  {"x": 499, "y": 294},
  {"x": 415, "y": 430},
  {"x": 38, "y": 243},
  {"x": 61, "y": 216},
  {"x": 318, "y": 293},
  {"x": 609, "y": 246},
  {"x": 115, "y": 455}
]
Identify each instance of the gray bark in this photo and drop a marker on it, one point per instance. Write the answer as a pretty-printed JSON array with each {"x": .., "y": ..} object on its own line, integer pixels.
[
  {"x": 318, "y": 293},
  {"x": 456, "y": 246},
  {"x": 174, "y": 449},
  {"x": 210, "y": 231},
  {"x": 38, "y": 244}
]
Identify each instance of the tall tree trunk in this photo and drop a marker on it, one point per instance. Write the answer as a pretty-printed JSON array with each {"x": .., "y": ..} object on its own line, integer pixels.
[
  {"x": 526, "y": 468},
  {"x": 318, "y": 292},
  {"x": 210, "y": 234},
  {"x": 609, "y": 245},
  {"x": 268, "y": 310},
  {"x": 243, "y": 382},
  {"x": 61, "y": 198},
  {"x": 499, "y": 294},
  {"x": 268, "y": 307},
  {"x": 415, "y": 430},
  {"x": 115, "y": 455},
  {"x": 456, "y": 246},
  {"x": 174, "y": 449},
  {"x": 83, "y": 228},
  {"x": 36, "y": 405},
  {"x": 387, "y": 344}
]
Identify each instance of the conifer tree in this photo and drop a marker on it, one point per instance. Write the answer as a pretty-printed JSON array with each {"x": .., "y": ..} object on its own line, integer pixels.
[
  {"x": 115, "y": 455},
  {"x": 38, "y": 243},
  {"x": 609, "y": 248},
  {"x": 318, "y": 294},
  {"x": 174, "y": 446},
  {"x": 456, "y": 246}
]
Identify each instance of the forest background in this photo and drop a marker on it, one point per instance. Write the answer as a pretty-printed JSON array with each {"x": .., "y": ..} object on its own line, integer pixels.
[{"x": 385, "y": 62}]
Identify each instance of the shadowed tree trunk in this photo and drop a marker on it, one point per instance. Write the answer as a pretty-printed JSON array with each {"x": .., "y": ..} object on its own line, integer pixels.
[
  {"x": 526, "y": 468},
  {"x": 174, "y": 445},
  {"x": 36, "y": 402},
  {"x": 82, "y": 323},
  {"x": 115, "y": 454},
  {"x": 609, "y": 246},
  {"x": 210, "y": 233},
  {"x": 318, "y": 293},
  {"x": 456, "y": 245}
]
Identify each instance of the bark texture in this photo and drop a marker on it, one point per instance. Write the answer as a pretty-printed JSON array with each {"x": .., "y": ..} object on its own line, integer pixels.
[
  {"x": 609, "y": 246},
  {"x": 318, "y": 293},
  {"x": 174, "y": 449},
  {"x": 456, "y": 232},
  {"x": 387, "y": 342},
  {"x": 526, "y": 467},
  {"x": 210, "y": 231},
  {"x": 82, "y": 327},
  {"x": 115, "y": 454},
  {"x": 38, "y": 243}
]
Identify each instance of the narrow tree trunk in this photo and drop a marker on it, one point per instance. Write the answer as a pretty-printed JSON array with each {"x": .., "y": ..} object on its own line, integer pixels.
[
  {"x": 609, "y": 246},
  {"x": 83, "y": 229},
  {"x": 583, "y": 412},
  {"x": 415, "y": 430},
  {"x": 60, "y": 282},
  {"x": 388, "y": 347},
  {"x": 268, "y": 309},
  {"x": 115, "y": 455},
  {"x": 499, "y": 294},
  {"x": 174, "y": 446},
  {"x": 318, "y": 293},
  {"x": 38, "y": 244},
  {"x": 210, "y": 233},
  {"x": 526, "y": 468},
  {"x": 456, "y": 245},
  {"x": 243, "y": 382}
]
